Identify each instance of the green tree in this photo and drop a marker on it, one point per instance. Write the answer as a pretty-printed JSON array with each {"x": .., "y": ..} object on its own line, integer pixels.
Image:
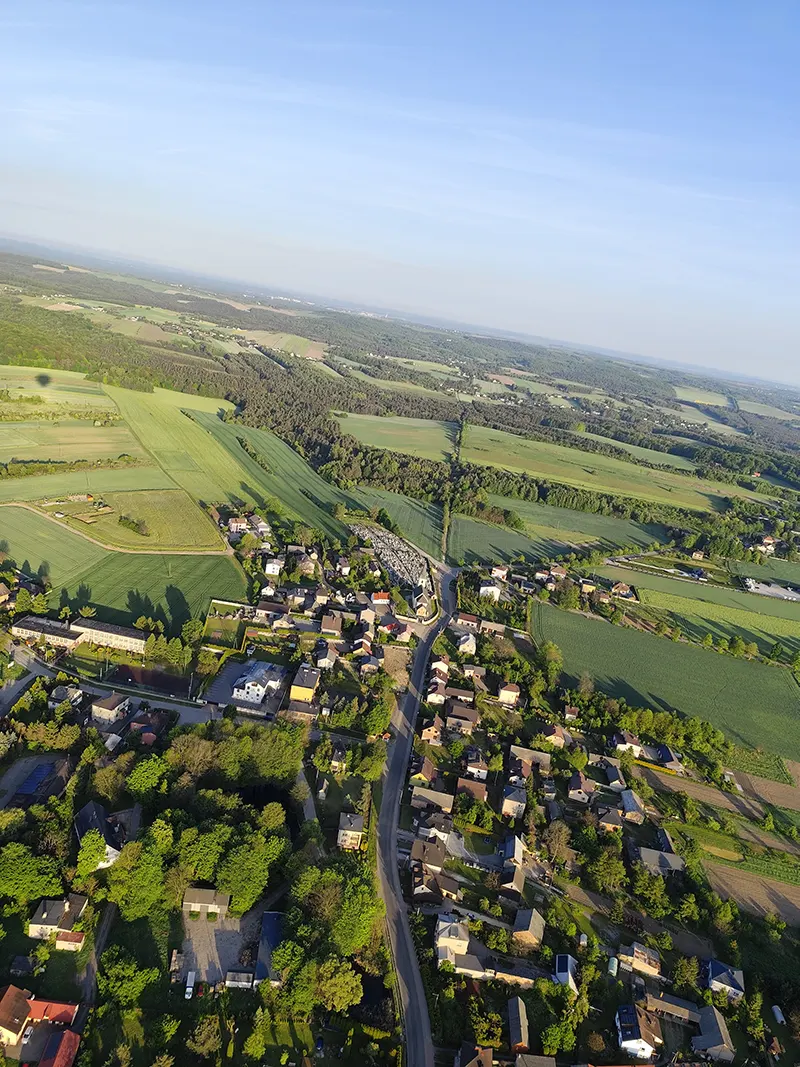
[
  {"x": 245, "y": 871},
  {"x": 136, "y": 881},
  {"x": 776, "y": 653},
  {"x": 206, "y": 1038},
  {"x": 87, "y": 611},
  {"x": 25, "y": 877},
  {"x": 23, "y": 605},
  {"x": 192, "y": 632},
  {"x": 39, "y": 604},
  {"x": 607, "y": 872},
  {"x": 685, "y": 975},
  {"x": 91, "y": 854},
  {"x": 122, "y": 979},
  {"x": 338, "y": 985},
  {"x": 146, "y": 776}
]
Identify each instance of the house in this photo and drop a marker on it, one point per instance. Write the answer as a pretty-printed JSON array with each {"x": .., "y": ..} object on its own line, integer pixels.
[
  {"x": 540, "y": 760},
  {"x": 440, "y": 663},
  {"x": 669, "y": 759},
  {"x": 467, "y": 645},
  {"x": 111, "y": 708},
  {"x": 571, "y": 713},
  {"x": 338, "y": 758},
  {"x": 656, "y": 862},
  {"x": 476, "y": 673},
  {"x": 330, "y": 626},
  {"x": 463, "y": 696},
  {"x": 475, "y": 765},
  {"x": 435, "y": 825},
  {"x": 274, "y": 565},
  {"x": 555, "y": 734},
  {"x": 462, "y": 720},
  {"x": 471, "y": 1055},
  {"x": 64, "y": 693},
  {"x": 640, "y": 958},
  {"x": 435, "y": 694},
  {"x": 369, "y": 665},
  {"x": 305, "y": 683},
  {"x": 422, "y": 797},
  {"x": 500, "y": 572},
  {"x": 623, "y": 591},
  {"x": 489, "y": 591},
  {"x": 469, "y": 622},
  {"x": 237, "y": 525},
  {"x": 566, "y": 971},
  {"x": 205, "y": 902},
  {"x": 512, "y": 882},
  {"x": 558, "y": 572},
  {"x": 724, "y": 978},
  {"x": 351, "y": 830},
  {"x": 476, "y": 790},
  {"x": 529, "y": 927},
  {"x": 427, "y": 885},
  {"x": 665, "y": 842},
  {"x": 609, "y": 821},
  {"x": 616, "y": 781},
  {"x": 430, "y": 854},
  {"x": 549, "y": 789},
  {"x": 518, "y": 1025},
  {"x": 298, "y": 712},
  {"x": 624, "y": 741},
  {"x": 343, "y": 566},
  {"x": 581, "y": 788},
  {"x": 57, "y": 918},
  {"x": 268, "y": 610},
  {"x": 512, "y": 850},
  {"x": 714, "y": 1040},
  {"x": 432, "y": 733},
  {"x": 18, "y": 1008},
  {"x": 587, "y": 587},
  {"x": 486, "y": 626},
  {"x": 451, "y": 938},
  {"x": 684, "y": 1011},
  {"x": 424, "y": 773},
  {"x": 508, "y": 694},
  {"x": 515, "y": 801},
  {"x": 271, "y": 937},
  {"x": 381, "y": 602},
  {"x": 525, "y": 1060},
  {"x": 638, "y": 1032},
  {"x": 326, "y": 657},
  {"x": 257, "y": 681},
  {"x": 5, "y": 593},
  {"x": 61, "y": 1049},
  {"x": 632, "y": 807},
  {"x": 93, "y": 816}
]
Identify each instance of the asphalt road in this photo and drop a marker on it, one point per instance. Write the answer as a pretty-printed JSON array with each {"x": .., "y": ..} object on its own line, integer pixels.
[{"x": 416, "y": 1025}]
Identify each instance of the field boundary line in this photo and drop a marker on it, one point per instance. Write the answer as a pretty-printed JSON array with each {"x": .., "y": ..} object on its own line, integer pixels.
[{"x": 113, "y": 548}]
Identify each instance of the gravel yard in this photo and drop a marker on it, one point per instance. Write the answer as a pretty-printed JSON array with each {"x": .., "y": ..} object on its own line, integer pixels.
[{"x": 212, "y": 948}]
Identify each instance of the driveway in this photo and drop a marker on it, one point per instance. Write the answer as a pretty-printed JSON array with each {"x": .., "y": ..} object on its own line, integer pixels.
[{"x": 211, "y": 949}]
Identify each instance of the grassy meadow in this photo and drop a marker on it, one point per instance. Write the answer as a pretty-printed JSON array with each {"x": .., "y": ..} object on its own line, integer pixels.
[
  {"x": 55, "y": 387},
  {"x": 65, "y": 440},
  {"x": 99, "y": 481},
  {"x": 475, "y": 541},
  {"x": 649, "y": 455},
  {"x": 121, "y": 586},
  {"x": 754, "y": 704},
  {"x": 767, "y": 410},
  {"x": 700, "y": 396},
  {"x": 575, "y": 528},
  {"x": 425, "y": 438},
  {"x": 771, "y": 570},
  {"x": 587, "y": 470}
]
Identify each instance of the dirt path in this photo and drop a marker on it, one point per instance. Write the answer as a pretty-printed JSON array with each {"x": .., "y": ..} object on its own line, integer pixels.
[
  {"x": 749, "y": 807},
  {"x": 754, "y": 893},
  {"x": 775, "y": 793},
  {"x": 113, "y": 548}
]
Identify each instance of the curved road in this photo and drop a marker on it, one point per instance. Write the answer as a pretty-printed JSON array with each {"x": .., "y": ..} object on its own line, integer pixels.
[{"x": 416, "y": 1022}]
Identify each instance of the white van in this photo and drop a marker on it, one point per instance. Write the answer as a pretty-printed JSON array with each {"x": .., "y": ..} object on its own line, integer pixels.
[{"x": 190, "y": 977}]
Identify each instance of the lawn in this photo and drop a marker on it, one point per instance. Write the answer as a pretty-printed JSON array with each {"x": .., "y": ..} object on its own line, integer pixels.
[
  {"x": 66, "y": 439},
  {"x": 421, "y": 523},
  {"x": 700, "y": 396},
  {"x": 121, "y": 586},
  {"x": 565, "y": 526},
  {"x": 588, "y": 470},
  {"x": 650, "y": 455},
  {"x": 426, "y": 438},
  {"x": 754, "y": 704},
  {"x": 173, "y": 519}
]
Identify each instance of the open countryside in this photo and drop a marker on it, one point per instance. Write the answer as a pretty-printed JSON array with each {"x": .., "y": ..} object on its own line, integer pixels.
[
  {"x": 580, "y": 527},
  {"x": 417, "y": 437}
]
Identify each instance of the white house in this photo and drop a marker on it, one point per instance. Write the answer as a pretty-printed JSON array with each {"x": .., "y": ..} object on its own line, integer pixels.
[
  {"x": 638, "y": 1032},
  {"x": 490, "y": 591},
  {"x": 467, "y": 645},
  {"x": 566, "y": 971},
  {"x": 274, "y": 566}
]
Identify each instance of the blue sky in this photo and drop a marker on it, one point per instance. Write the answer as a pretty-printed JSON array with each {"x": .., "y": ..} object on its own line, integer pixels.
[{"x": 622, "y": 174}]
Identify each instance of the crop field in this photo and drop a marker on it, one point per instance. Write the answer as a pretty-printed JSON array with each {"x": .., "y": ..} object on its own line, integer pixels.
[
  {"x": 768, "y": 410},
  {"x": 754, "y": 893},
  {"x": 588, "y": 470},
  {"x": 340, "y": 363},
  {"x": 700, "y": 396},
  {"x": 421, "y": 523},
  {"x": 474, "y": 542},
  {"x": 416, "y": 437},
  {"x": 771, "y": 570},
  {"x": 173, "y": 520},
  {"x": 429, "y": 366},
  {"x": 754, "y": 704},
  {"x": 580, "y": 527},
  {"x": 289, "y": 480},
  {"x": 650, "y": 455},
  {"x": 758, "y": 763},
  {"x": 287, "y": 342},
  {"x": 121, "y": 586},
  {"x": 97, "y": 481},
  {"x": 54, "y": 386},
  {"x": 66, "y": 439}
]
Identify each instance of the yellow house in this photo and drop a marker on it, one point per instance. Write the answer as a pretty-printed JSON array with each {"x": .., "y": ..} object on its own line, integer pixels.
[{"x": 305, "y": 684}]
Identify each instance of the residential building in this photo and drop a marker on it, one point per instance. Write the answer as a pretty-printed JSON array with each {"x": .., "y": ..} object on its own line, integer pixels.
[
  {"x": 684, "y": 1011},
  {"x": 616, "y": 781},
  {"x": 111, "y": 708},
  {"x": 432, "y": 733},
  {"x": 555, "y": 734},
  {"x": 609, "y": 821},
  {"x": 632, "y": 807},
  {"x": 304, "y": 685},
  {"x": 93, "y": 816},
  {"x": 486, "y": 626},
  {"x": 451, "y": 938},
  {"x": 61, "y": 1049},
  {"x": 205, "y": 902},
  {"x": 430, "y": 854},
  {"x": 435, "y": 694},
  {"x": 571, "y": 713},
  {"x": 471, "y": 1055},
  {"x": 638, "y": 1032},
  {"x": 270, "y": 939},
  {"x": 325, "y": 657},
  {"x": 624, "y": 741},
  {"x": 57, "y": 918},
  {"x": 62, "y": 693},
  {"x": 351, "y": 830},
  {"x": 518, "y": 1025},
  {"x": 663, "y": 863},
  {"x": 724, "y": 978},
  {"x": 623, "y": 591},
  {"x": 512, "y": 882},
  {"x": 515, "y": 801},
  {"x": 435, "y": 825},
  {"x": 469, "y": 622},
  {"x": 463, "y": 696},
  {"x": 427, "y": 885},
  {"x": 466, "y": 644},
  {"x": 566, "y": 971},
  {"x": 669, "y": 759},
  {"x": 462, "y": 720},
  {"x": 477, "y": 790},
  {"x": 258, "y": 680},
  {"x": 268, "y": 611},
  {"x": 331, "y": 626},
  {"x": 477, "y": 673},
  {"x": 714, "y": 1040},
  {"x": 423, "y": 773},
  {"x": 529, "y": 927},
  {"x": 422, "y": 797},
  {"x": 475, "y": 765},
  {"x": 381, "y": 602},
  {"x": 508, "y": 694},
  {"x": 19, "y": 1008},
  {"x": 540, "y": 760},
  {"x": 338, "y": 758},
  {"x": 237, "y": 525},
  {"x": 500, "y": 572},
  {"x": 490, "y": 591},
  {"x": 526, "y": 1060},
  {"x": 581, "y": 788},
  {"x": 300, "y": 713},
  {"x": 274, "y": 565},
  {"x": 512, "y": 850},
  {"x": 641, "y": 959}
]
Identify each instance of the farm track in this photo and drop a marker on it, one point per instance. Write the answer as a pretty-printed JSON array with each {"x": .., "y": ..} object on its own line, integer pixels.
[
  {"x": 754, "y": 892},
  {"x": 114, "y": 548}
]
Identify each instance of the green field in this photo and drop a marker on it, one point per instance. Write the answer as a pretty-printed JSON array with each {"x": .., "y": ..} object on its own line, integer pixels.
[
  {"x": 754, "y": 704},
  {"x": 700, "y": 396},
  {"x": 768, "y": 410},
  {"x": 173, "y": 520},
  {"x": 573, "y": 528},
  {"x": 416, "y": 437},
  {"x": 66, "y": 439},
  {"x": 54, "y": 387},
  {"x": 649, "y": 455},
  {"x": 771, "y": 570},
  {"x": 353, "y": 368},
  {"x": 121, "y": 586},
  {"x": 588, "y": 470},
  {"x": 421, "y": 523},
  {"x": 97, "y": 480},
  {"x": 475, "y": 542}
]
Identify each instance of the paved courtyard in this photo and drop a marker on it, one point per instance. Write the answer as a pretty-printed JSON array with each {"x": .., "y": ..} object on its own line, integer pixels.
[{"x": 212, "y": 948}]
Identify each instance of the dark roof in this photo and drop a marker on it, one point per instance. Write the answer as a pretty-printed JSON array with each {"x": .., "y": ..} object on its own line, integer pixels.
[
  {"x": 713, "y": 1031},
  {"x": 271, "y": 937},
  {"x": 472, "y": 1056},
  {"x": 517, "y": 1022},
  {"x": 111, "y": 702},
  {"x": 635, "y": 1023},
  {"x": 194, "y": 895},
  {"x": 13, "y": 1008},
  {"x": 726, "y": 975},
  {"x": 93, "y": 816},
  {"x": 430, "y": 853}
]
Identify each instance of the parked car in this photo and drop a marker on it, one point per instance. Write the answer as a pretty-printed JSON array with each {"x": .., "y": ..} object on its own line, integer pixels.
[{"x": 190, "y": 977}]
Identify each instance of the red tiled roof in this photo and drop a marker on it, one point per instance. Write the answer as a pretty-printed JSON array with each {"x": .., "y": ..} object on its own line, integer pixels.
[
  {"x": 53, "y": 1011},
  {"x": 61, "y": 1049}
]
